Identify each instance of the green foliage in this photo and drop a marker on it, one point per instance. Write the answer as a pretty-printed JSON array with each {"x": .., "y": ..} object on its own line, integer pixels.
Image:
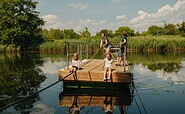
[
  {"x": 20, "y": 24},
  {"x": 120, "y": 30},
  {"x": 170, "y": 29},
  {"x": 155, "y": 30},
  {"x": 57, "y": 34},
  {"x": 108, "y": 33},
  {"x": 85, "y": 33}
]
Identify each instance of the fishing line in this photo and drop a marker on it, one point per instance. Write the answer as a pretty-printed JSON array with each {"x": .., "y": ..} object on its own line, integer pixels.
[
  {"x": 139, "y": 97},
  {"x": 21, "y": 100}
]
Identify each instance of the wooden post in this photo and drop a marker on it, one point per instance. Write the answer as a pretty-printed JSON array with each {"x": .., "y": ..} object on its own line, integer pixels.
[
  {"x": 67, "y": 55},
  {"x": 86, "y": 51}
]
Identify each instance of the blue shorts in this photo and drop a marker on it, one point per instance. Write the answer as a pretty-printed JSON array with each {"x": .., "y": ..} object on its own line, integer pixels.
[{"x": 120, "y": 52}]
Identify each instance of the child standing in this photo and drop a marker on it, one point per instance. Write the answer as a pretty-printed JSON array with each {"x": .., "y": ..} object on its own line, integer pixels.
[{"x": 108, "y": 66}]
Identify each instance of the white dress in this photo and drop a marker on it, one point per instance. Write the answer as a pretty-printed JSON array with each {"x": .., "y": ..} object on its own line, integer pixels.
[
  {"x": 75, "y": 63},
  {"x": 108, "y": 63}
]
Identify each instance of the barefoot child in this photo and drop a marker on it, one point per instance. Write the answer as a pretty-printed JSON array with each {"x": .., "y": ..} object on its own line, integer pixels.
[
  {"x": 108, "y": 66},
  {"x": 75, "y": 65}
]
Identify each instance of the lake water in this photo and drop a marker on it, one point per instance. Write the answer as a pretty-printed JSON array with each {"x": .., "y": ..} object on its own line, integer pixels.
[{"x": 159, "y": 80}]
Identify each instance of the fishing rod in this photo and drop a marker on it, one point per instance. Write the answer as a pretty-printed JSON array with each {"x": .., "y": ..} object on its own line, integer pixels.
[{"x": 21, "y": 100}]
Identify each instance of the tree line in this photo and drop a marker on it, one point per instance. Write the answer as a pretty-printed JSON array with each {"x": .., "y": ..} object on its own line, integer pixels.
[{"x": 21, "y": 27}]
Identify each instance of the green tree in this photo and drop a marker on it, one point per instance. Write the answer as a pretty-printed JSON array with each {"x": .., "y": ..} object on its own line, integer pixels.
[
  {"x": 119, "y": 31},
  {"x": 55, "y": 34},
  {"x": 107, "y": 32},
  {"x": 181, "y": 28},
  {"x": 170, "y": 29},
  {"x": 20, "y": 23},
  {"x": 155, "y": 30},
  {"x": 85, "y": 33},
  {"x": 70, "y": 34}
]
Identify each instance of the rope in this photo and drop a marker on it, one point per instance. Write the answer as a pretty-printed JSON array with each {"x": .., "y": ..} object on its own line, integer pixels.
[
  {"x": 21, "y": 100},
  {"x": 139, "y": 97},
  {"x": 137, "y": 105}
]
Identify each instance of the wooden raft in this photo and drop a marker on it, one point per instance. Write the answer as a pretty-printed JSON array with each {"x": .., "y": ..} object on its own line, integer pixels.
[{"x": 93, "y": 72}]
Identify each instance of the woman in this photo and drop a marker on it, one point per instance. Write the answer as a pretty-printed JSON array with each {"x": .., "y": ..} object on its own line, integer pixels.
[{"x": 105, "y": 43}]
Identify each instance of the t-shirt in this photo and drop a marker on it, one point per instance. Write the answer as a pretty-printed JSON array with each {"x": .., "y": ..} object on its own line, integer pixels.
[
  {"x": 104, "y": 40},
  {"x": 124, "y": 39},
  {"x": 108, "y": 63},
  {"x": 75, "y": 63}
]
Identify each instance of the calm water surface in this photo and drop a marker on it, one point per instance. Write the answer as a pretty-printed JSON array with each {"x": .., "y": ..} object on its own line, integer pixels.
[{"x": 158, "y": 78}]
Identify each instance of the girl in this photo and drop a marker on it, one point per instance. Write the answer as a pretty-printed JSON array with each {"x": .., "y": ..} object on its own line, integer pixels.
[
  {"x": 108, "y": 66},
  {"x": 75, "y": 65}
]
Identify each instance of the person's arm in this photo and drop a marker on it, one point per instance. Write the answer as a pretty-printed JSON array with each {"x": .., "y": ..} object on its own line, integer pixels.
[{"x": 124, "y": 41}]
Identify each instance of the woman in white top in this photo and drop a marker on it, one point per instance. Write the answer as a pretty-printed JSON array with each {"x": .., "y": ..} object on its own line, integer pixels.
[{"x": 108, "y": 66}]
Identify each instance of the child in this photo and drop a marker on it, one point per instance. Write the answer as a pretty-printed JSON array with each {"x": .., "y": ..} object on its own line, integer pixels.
[
  {"x": 75, "y": 65},
  {"x": 108, "y": 66},
  {"x": 120, "y": 57}
]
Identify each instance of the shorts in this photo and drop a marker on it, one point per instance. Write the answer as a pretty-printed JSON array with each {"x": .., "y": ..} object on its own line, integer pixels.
[
  {"x": 108, "y": 47},
  {"x": 120, "y": 52}
]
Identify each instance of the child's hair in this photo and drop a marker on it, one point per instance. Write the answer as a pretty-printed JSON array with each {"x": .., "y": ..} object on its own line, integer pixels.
[
  {"x": 108, "y": 53},
  {"x": 75, "y": 56}
]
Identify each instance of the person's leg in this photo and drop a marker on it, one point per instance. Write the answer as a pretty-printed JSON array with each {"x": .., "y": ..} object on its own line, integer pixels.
[
  {"x": 105, "y": 74},
  {"x": 110, "y": 73}
]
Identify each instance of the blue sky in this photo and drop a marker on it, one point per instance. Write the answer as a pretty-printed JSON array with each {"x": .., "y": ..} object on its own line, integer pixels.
[{"x": 110, "y": 14}]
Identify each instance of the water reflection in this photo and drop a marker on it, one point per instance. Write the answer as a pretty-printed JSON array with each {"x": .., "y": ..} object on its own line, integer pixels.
[
  {"x": 76, "y": 99},
  {"x": 169, "y": 66},
  {"x": 20, "y": 77}
]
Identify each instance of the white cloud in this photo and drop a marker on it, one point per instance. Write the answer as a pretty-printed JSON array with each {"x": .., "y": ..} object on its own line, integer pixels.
[
  {"x": 120, "y": 17},
  {"x": 50, "y": 19},
  {"x": 79, "y": 6},
  {"x": 167, "y": 13}
]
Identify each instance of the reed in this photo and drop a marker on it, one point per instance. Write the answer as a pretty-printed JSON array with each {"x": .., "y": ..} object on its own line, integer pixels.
[
  {"x": 156, "y": 43},
  {"x": 140, "y": 43}
]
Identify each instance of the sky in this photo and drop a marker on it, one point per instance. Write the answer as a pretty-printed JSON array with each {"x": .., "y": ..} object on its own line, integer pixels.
[{"x": 109, "y": 14}]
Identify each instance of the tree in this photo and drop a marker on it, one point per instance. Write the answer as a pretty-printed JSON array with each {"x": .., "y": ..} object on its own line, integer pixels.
[
  {"x": 20, "y": 24},
  {"x": 170, "y": 29},
  {"x": 70, "y": 34},
  {"x": 155, "y": 30},
  {"x": 181, "y": 28},
  {"x": 55, "y": 34},
  {"x": 119, "y": 31},
  {"x": 107, "y": 32},
  {"x": 85, "y": 33}
]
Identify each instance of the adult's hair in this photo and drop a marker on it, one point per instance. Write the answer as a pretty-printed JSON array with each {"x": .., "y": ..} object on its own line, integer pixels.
[{"x": 124, "y": 33}]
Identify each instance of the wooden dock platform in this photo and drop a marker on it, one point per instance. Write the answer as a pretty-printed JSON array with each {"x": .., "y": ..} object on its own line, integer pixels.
[{"x": 93, "y": 72}]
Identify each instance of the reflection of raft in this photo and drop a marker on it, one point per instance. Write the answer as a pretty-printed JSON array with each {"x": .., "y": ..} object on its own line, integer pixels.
[
  {"x": 92, "y": 72},
  {"x": 94, "y": 97}
]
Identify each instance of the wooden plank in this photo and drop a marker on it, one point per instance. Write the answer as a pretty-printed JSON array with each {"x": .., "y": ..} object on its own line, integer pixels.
[{"x": 93, "y": 72}]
